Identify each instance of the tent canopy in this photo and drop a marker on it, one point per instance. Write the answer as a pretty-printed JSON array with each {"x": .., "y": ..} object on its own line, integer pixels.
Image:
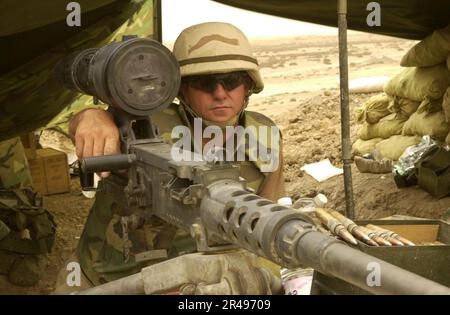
[{"x": 411, "y": 19}]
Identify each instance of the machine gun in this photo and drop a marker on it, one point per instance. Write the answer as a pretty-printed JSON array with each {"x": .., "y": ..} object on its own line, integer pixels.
[{"x": 138, "y": 77}]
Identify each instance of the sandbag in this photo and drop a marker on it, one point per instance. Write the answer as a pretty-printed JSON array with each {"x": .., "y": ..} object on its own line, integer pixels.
[
  {"x": 385, "y": 128},
  {"x": 422, "y": 124},
  {"x": 361, "y": 147},
  {"x": 419, "y": 83},
  {"x": 373, "y": 109},
  {"x": 403, "y": 107},
  {"x": 432, "y": 50},
  {"x": 367, "y": 84},
  {"x": 430, "y": 106},
  {"x": 446, "y": 105},
  {"x": 394, "y": 147}
]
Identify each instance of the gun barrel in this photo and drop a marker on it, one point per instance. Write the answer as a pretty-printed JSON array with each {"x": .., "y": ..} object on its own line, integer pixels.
[
  {"x": 286, "y": 237},
  {"x": 331, "y": 257}
]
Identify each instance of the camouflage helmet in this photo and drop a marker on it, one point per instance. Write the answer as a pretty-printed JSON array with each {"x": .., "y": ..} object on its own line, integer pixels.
[{"x": 216, "y": 47}]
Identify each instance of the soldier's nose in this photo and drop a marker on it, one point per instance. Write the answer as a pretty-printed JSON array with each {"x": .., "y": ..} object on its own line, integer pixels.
[{"x": 219, "y": 91}]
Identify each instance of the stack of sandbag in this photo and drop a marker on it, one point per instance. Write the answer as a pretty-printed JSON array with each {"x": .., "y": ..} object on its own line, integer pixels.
[
  {"x": 433, "y": 53},
  {"x": 381, "y": 117},
  {"x": 415, "y": 102},
  {"x": 423, "y": 85}
]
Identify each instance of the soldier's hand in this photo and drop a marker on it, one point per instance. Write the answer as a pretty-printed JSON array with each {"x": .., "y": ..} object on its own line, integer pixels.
[
  {"x": 236, "y": 272},
  {"x": 94, "y": 133}
]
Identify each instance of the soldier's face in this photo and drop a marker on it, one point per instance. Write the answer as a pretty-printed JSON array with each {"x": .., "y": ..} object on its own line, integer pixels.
[{"x": 216, "y": 98}]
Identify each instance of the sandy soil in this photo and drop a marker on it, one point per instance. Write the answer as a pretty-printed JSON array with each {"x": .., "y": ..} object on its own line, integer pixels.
[{"x": 301, "y": 96}]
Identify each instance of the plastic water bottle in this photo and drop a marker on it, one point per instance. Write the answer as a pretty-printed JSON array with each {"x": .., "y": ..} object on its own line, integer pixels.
[
  {"x": 309, "y": 204},
  {"x": 285, "y": 201},
  {"x": 297, "y": 281}
]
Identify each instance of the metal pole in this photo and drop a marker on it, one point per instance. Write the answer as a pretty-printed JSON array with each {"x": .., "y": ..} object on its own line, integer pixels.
[
  {"x": 345, "y": 116},
  {"x": 157, "y": 20}
]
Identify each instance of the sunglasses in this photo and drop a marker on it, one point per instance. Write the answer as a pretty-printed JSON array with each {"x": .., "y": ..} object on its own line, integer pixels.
[{"x": 208, "y": 83}]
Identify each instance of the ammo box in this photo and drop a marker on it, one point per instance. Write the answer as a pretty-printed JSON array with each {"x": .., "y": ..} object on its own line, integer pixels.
[
  {"x": 50, "y": 172},
  {"x": 29, "y": 145},
  {"x": 428, "y": 261}
]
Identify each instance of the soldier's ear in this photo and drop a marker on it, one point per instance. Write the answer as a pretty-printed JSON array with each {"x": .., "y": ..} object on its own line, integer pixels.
[
  {"x": 249, "y": 86},
  {"x": 182, "y": 91}
]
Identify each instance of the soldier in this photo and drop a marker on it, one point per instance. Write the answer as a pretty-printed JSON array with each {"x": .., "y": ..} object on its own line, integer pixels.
[{"x": 219, "y": 73}]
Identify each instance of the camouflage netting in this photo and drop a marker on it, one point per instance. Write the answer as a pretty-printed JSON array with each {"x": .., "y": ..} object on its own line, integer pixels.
[
  {"x": 14, "y": 169},
  {"x": 30, "y": 96},
  {"x": 62, "y": 120}
]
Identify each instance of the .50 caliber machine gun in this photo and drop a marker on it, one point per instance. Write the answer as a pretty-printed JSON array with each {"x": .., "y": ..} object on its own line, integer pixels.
[{"x": 138, "y": 77}]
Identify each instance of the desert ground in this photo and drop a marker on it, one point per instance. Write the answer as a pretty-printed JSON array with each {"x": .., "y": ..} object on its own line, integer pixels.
[{"x": 301, "y": 95}]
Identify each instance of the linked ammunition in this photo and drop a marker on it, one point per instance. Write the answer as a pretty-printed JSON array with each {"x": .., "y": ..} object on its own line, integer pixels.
[
  {"x": 375, "y": 237},
  {"x": 353, "y": 228},
  {"x": 335, "y": 226},
  {"x": 391, "y": 234}
]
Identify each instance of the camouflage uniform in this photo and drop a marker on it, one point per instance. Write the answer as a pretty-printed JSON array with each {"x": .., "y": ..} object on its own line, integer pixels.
[
  {"x": 26, "y": 229},
  {"x": 14, "y": 170},
  {"x": 101, "y": 247},
  {"x": 30, "y": 96}
]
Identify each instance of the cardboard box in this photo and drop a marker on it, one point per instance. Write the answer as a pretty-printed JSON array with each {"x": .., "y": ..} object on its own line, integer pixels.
[
  {"x": 50, "y": 172},
  {"x": 29, "y": 144}
]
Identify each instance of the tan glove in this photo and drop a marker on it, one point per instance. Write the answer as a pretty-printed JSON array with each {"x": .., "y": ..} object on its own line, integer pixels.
[{"x": 235, "y": 272}]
